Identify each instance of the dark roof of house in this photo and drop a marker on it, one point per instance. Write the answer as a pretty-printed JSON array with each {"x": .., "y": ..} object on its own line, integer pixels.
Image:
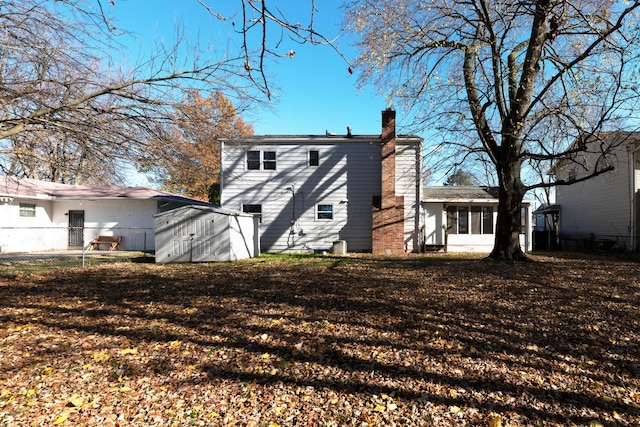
[
  {"x": 327, "y": 138},
  {"x": 461, "y": 192},
  {"x": 35, "y": 189}
]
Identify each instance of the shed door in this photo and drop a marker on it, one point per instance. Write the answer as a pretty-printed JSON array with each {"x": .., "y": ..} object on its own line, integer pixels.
[{"x": 76, "y": 229}]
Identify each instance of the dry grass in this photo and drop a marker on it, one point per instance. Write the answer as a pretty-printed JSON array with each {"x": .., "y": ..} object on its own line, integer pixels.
[{"x": 296, "y": 341}]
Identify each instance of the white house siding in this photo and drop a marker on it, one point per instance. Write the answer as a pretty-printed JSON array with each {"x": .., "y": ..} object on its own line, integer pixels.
[
  {"x": 347, "y": 177},
  {"x": 408, "y": 172},
  {"x": 24, "y": 234},
  {"x": 49, "y": 230},
  {"x": 131, "y": 219},
  {"x": 434, "y": 213},
  {"x": 433, "y": 222},
  {"x": 599, "y": 207}
]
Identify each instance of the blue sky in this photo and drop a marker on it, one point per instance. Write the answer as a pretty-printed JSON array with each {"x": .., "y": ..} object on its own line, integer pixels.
[{"x": 315, "y": 92}]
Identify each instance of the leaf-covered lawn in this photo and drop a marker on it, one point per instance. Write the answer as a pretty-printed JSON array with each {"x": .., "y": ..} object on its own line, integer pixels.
[{"x": 311, "y": 341}]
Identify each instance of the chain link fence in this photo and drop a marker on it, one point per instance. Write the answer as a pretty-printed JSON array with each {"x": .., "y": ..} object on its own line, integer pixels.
[
  {"x": 593, "y": 242},
  {"x": 65, "y": 247}
]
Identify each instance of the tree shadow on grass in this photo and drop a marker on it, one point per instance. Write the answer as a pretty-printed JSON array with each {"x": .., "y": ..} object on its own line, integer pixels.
[{"x": 415, "y": 328}]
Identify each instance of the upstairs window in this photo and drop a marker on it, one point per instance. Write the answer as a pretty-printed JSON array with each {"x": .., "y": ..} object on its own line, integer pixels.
[
  {"x": 253, "y": 160},
  {"x": 314, "y": 158},
  {"x": 261, "y": 160},
  {"x": 269, "y": 160}
]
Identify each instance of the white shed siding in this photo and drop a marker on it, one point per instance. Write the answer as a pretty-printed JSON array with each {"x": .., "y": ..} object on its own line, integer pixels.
[
  {"x": 202, "y": 234},
  {"x": 347, "y": 177},
  {"x": 599, "y": 206}
]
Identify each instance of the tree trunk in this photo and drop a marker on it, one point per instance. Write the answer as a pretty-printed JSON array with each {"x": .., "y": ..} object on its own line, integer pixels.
[{"x": 507, "y": 241}]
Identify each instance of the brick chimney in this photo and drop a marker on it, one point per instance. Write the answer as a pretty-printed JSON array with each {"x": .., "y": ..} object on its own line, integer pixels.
[{"x": 388, "y": 209}]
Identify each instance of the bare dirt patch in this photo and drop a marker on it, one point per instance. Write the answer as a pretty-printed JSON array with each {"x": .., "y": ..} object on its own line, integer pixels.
[{"x": 324, "y": 341}]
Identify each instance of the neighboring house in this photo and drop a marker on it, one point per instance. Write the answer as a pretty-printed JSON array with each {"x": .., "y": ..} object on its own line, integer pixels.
[
  {"x": 603, "y": 210},
  {"x": 37, "y": 215},
  {"x": 463, "y": 219},
  {"x": 313, "y": 190}
]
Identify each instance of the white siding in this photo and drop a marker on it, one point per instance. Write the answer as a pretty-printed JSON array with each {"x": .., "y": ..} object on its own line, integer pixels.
[
  {"x": 197, "y": 234},
  {"x": 132, "y": 219},
  {"x": 24, "y": 234},
  {"x": 348, "y": 176},
  {"x": 408, "y": 171},
  {"x": 434, "y": 221},
  {"x": 600, "y": 206}
]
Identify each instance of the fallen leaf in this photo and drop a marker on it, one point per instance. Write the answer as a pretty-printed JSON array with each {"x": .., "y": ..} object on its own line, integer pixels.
[
  {"x": 101, "y": 357},
  {"x": 60, "y": 419},
  {"x": 75, "y": 400},
  {"x": 496, "y": 421}
]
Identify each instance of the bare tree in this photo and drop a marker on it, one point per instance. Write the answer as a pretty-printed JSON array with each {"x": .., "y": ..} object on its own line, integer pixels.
[
  {"x": 514, "y": 81},
  {"x": 66, "y": 113},
  {"x": 264, "y": 27}
]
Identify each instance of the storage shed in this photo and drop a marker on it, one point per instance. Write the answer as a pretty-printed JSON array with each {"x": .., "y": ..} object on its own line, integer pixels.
[{"x": 202, "y": 234}]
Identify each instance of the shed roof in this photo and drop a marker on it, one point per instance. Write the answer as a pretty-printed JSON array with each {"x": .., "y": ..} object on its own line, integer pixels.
[
  {"x": 207, "y": 208},
  {"x": 35, "y": 189}
]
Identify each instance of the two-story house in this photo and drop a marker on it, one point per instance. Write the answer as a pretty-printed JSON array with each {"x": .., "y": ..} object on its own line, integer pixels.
[
  {"x": 313, "y": 190},
  {"x": 603, "y": 210}
]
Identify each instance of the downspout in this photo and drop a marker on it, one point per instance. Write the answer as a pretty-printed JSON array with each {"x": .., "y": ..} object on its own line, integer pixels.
[
  {"x": 221, "y": 172},
  {"x": 528, "y": 229},
  {"x": 420, "y": 226}
]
